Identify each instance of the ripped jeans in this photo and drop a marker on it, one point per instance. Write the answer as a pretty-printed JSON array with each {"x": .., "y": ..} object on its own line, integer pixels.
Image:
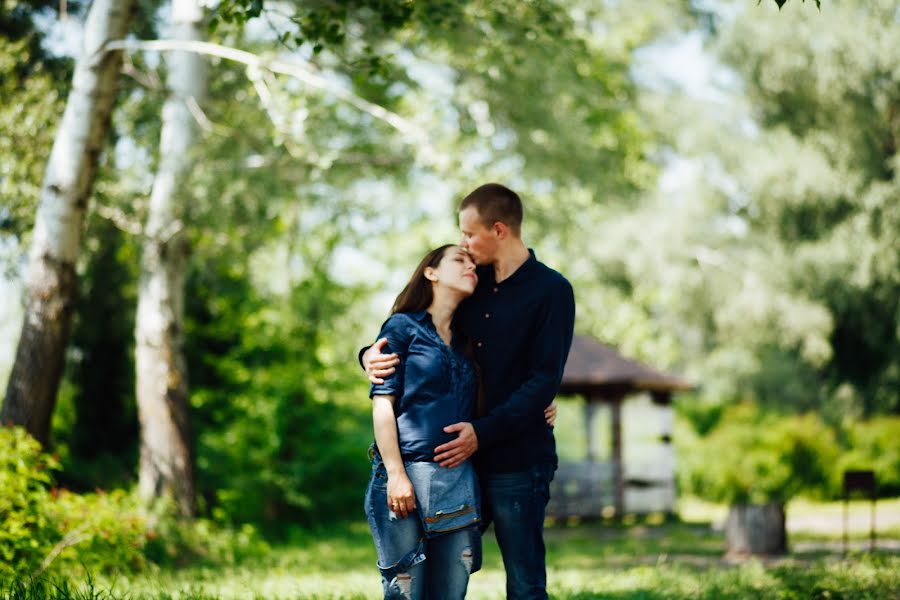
[{"x": 415, "y": 565}]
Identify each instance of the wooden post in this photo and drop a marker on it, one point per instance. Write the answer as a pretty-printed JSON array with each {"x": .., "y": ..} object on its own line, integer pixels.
[
  {"x": 663, "y": 400},
  {"x": 590, "y": 409},
  {"x": 617, "y": 464}
]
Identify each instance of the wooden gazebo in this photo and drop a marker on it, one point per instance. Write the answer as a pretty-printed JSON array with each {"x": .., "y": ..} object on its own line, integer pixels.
[{"x": 591, "y": 488}]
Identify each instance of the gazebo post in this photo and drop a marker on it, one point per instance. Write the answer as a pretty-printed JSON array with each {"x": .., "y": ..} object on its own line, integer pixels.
[
  {"x": 617, "y": 464},
  {"x": 590, "y": 409},
  {"x": 663, "y": 399}
]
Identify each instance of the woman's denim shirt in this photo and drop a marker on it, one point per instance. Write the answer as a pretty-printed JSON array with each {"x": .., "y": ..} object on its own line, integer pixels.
[{"x": 434, "y": 384}]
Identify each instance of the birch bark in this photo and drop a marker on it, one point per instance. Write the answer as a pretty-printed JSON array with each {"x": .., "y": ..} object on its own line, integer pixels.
[
  {"x": 50, "y": 279},
  {"x": 167, "y": 457}
]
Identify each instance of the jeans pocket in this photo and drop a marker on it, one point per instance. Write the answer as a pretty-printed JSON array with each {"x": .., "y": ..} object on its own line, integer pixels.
[{"x": 379, "y": 477}]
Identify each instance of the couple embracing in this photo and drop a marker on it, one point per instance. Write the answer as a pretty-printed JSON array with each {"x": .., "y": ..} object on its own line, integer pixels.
[{"x": 469, "y": 360}]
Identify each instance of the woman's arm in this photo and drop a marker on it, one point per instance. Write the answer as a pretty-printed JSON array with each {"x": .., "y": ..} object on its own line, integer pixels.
[{"x": 401, "y": 497}]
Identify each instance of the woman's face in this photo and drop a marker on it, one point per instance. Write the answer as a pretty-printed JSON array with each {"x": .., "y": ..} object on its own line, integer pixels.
[{"x": 456, "y": 271}]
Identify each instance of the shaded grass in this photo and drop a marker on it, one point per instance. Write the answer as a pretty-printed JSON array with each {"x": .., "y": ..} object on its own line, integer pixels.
[{"x": 595, "y": 560}]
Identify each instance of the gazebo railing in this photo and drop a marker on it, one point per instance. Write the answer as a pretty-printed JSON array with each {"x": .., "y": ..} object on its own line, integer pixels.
[{"x": 581, "y": 489}]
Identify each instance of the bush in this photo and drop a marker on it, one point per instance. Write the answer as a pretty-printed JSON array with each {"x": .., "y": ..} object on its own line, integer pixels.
[
  {"x": 174, "y": 542},
  {"x": 754, "y": 457},
  {"x": 873, "y": 445},
  {"x": 100, "y": 532},
  {"x": 27, "y": 530},
  {"x": 46, "y": 530},
  {"x": 44, "y": 527}
]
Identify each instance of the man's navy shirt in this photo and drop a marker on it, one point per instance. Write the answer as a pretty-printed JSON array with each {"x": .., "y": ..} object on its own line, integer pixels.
[
  {"x": 434, "y": 385},
  {"x": 522, "y": 331}
]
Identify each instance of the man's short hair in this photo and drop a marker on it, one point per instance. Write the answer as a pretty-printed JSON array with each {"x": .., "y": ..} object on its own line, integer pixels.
[{"x": 495, "y": 202}]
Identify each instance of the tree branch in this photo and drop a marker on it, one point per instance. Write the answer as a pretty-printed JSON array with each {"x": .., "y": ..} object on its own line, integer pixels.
[{"x": 295, "y": 70}]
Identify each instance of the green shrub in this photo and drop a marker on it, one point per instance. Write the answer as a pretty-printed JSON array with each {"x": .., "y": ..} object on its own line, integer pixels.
[
  {"x": 101, "y": 533},
  {"x": 757, "y": 457},
  {"x": 174, "y": 542},
  {"x": 753, "y": 455},
  {"x": 42, "y": 527},
  {"x": 27, "y": 530},
  {"x": 873, "y": 445},
  {"x": 48, "y": 531}
]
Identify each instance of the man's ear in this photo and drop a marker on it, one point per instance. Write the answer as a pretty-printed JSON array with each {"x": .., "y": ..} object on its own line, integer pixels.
[{"x": 501, "y": 230}]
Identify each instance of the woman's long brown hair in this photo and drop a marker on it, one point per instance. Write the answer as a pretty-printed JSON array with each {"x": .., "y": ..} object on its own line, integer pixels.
[{"x": 418, "y": 295}]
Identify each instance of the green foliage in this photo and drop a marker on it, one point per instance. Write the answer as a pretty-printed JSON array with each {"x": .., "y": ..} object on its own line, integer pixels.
[
  {"x": 757, "y": 457},
  {"x": 821, "y": 181},
  {"x": 27, "y": 529},
  {"x": 325, "y": 25},
  {"x": 754, "y": 455},
  {"x": 52, "y": 531},
  {"x": 98, "y": 391},
  {"x": 102, "y": 533},
  {"x": 275, "y": 441},
  {"x": 781, "y": 3},
  {"x": 43, "y": 526},
  {"x": 176, "y": 543},
  {"x": 28, "y": 115},
  {"x": 872, "y": 445}
]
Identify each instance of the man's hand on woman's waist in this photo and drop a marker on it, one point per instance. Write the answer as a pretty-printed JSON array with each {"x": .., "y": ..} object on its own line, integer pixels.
[{"x": 456, "y": 452}]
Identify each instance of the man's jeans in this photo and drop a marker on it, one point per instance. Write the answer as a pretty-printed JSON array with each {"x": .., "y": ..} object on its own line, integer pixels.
[
  {"x": 516, "y": 502},
  {"x": 403, "y": 547}
]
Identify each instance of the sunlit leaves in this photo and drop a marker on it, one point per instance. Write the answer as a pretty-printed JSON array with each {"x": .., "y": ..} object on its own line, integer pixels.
[{"x": 781, "y": 3}]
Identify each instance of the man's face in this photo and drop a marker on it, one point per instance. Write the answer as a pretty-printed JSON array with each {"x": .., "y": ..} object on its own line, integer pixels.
[{"x": 479, "y": 241}]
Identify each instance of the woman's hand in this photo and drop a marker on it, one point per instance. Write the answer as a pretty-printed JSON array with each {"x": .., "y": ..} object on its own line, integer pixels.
[{"x": 401, "y": 497}]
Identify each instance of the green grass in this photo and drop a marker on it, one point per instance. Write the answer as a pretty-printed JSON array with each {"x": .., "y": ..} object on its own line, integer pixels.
[{"x": 674, "y": 560}]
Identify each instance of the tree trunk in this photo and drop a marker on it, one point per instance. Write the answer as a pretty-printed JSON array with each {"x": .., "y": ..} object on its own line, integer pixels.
[
  {"x": 167, "y": 458},
  {"x": 50, "y": 281},
  {"x": 756, "y": 529}
]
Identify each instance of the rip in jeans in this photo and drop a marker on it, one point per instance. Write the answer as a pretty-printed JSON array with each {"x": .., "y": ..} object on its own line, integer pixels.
[
  {"x": 467, "y": 559},
  {"x": 399, "y": 581}
]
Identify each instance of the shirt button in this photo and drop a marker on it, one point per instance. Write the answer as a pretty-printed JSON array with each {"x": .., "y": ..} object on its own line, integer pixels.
[
  {"x": 496, "y": 289},
  {"x": 479, "y": 344},
  {"x": 487, "y": 315}
]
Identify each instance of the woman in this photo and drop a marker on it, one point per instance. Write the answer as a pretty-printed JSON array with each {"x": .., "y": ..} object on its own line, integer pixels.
[{"x": 424, "y": 517}]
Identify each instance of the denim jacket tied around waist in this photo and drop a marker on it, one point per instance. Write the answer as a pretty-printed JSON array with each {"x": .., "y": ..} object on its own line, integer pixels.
[{"x": 447, "y": 499}]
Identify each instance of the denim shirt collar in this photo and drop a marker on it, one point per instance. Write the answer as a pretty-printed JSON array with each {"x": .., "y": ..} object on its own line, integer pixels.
[{"x": 422, "y": 316}]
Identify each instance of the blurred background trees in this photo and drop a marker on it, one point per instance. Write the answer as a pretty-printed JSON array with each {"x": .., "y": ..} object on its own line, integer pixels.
[{"x": 742, "y": 231}]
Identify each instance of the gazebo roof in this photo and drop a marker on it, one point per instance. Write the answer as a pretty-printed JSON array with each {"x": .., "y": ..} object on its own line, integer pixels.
[{"x": 595, "y": 368}]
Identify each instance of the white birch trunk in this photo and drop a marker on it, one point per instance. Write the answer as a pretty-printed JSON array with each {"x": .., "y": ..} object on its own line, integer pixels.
[
  {"x": 167, "y": 458},
  {"x": 50, "y": 281}
]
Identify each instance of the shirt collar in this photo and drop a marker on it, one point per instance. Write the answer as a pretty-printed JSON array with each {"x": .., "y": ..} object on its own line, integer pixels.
[
  {"x": 488, "y": 270},
  {"x": 421, "y": 316}
]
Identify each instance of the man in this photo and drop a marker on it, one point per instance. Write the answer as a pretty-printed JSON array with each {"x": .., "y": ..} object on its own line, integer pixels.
[{"x": 521, "y": 320}]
